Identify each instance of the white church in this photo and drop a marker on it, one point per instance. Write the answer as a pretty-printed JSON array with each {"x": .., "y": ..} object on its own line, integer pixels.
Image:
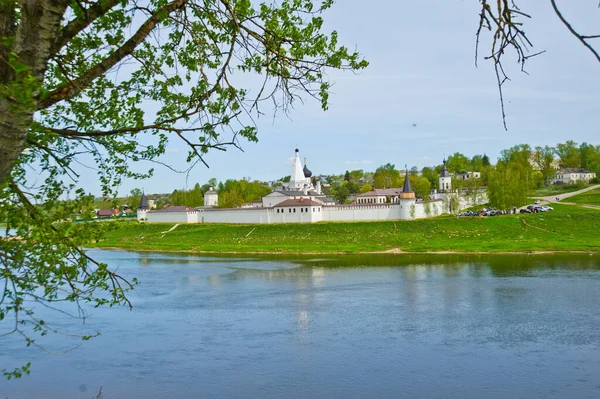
[{"x": 303, "y": 202}]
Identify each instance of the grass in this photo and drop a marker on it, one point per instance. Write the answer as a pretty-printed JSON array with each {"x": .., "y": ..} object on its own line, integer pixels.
[
  {"x": 557, "y": 190},
  {"x": 568, "y": 228},
  {"x": 589, "y": 198}
]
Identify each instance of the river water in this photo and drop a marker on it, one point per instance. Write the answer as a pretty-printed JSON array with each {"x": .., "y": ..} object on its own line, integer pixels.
[{"x": 351, "y": 327}]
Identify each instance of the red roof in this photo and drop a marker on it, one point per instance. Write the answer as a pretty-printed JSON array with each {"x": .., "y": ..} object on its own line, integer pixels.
[
  {"x": 105, "y": 212},
  {"x": 381, "y": 192},
  {"x": 298, "y": 202}
]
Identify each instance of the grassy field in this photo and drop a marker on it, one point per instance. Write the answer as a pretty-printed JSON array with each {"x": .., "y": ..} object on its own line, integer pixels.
[
  {"x": 590, "y": 197},
  {"x": 557, "y": 190},
  {"x": 568, "y": 228}
]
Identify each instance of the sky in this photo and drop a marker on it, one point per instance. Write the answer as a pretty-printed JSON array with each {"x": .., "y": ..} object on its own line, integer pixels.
[{"x": 421, "y": 98}]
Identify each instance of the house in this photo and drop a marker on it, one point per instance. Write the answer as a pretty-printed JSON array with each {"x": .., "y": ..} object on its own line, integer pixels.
[
  {"x": 572, "y": 175},
  {"x": 106, "y": 213},
  {"x": 387, "y": 195},
  {"x": 469, "y": 175}
]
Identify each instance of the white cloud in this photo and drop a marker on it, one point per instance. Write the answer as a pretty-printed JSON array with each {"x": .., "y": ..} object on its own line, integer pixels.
[{"x": 290, "y": 161}]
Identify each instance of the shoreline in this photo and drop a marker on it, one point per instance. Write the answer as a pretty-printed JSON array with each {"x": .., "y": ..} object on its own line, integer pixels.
[{"x": 393, "y": 251}]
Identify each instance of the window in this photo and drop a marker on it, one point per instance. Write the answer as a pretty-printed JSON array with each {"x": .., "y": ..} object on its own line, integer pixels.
[
  {"x": 313, "y": 209},
  {"x": 305, "y": 209},
  {"x": 301, "y": 209},
  {"x": 294, "y": 210},
  {"x": 290, "y": 210}
]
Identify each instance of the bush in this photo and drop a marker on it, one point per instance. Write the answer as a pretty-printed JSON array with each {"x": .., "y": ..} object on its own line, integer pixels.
[{"x": 595, "y": 180}]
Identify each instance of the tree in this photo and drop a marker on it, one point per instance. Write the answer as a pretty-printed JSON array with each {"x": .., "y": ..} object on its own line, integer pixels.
[
  {"x": 135, "y": 196},
  {"x": 568, "y": 154},
  {"x": 340, "y": 194},
  {"x": 365, "y": 188},
  {"x": 485, "y": 160},
  {"x": 509, "y": 185},
  {"x": 520, "y": 154},
  {"x": 477, "y": 163},
  {"x": 431, "y": 175},
  {"x": 386, "y": 176},
  {"x": 543, "y": 157},
  {"x": 357, "y": 175},
  {"x": 62, "y": 61},
  {"x": 458, "y": 163},
  {"x": 347, "y": 176}
]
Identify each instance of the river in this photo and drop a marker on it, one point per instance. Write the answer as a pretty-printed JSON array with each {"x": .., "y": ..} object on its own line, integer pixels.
[{"x": 430, "y": 326}]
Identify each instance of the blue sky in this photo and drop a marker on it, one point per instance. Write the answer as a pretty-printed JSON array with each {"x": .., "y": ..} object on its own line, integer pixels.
[{"x": 421, "y": 73}]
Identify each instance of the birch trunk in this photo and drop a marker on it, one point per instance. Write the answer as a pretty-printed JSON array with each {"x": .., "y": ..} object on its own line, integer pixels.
[{"x": 34, "y": 36}]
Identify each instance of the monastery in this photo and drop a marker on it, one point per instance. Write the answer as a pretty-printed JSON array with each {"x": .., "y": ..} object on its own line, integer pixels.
[{"x": 303, "y": 202}]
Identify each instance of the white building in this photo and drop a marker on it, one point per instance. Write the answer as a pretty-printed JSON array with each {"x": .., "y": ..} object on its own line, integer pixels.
[
  {"x": 304, "y": 203},
  {"x": 469, "y": 175},
  {"x": 445, "y": 181},
  {"x": 572, "y": 175}
]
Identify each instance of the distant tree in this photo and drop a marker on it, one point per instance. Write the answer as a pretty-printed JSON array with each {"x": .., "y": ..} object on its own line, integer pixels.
[
  {"x": 357, "y": 175},
  {"x": 341, "y": 193},
  {"x": 477, "y": 163},
  {"x": 431, "y": 175},
  {"x": 365, "y": 188},
  {"x": 509, "y": 185},
  {"x": 520, "y": 154},
  {"x": 543, "y": 158},
  {"x": 347, "y": 176},
  {"x": 135, "y": 196},
  {"x": 420, "y": 185},
  {"x": 414, "y": 171},
  {"x": 352, "y": 187},
  {"x": 386, "y": 176},
  {"x": 458, "y": 163},
  {"x": 568, "y": 154},
  {"x": 586, "y": 154},
  {"x": 485, "y": 160}
]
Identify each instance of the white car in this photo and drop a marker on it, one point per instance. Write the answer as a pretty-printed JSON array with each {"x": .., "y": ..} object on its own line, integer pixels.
[
  {"x": 546, "y": 208},
  {"x": 536, "y": 202}
]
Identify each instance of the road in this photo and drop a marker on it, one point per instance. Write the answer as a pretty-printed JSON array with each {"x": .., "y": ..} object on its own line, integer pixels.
[{"x": 553, "y": 198}]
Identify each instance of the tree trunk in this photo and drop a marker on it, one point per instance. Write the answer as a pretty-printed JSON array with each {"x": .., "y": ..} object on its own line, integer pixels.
[{"x": 34, "y": 38}]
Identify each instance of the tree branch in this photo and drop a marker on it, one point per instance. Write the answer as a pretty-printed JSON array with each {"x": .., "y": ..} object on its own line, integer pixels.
[
  {"x": 577, "y": 35},
  {"x": 71, "y": 89},
  {"x": 77, "y": 25}
]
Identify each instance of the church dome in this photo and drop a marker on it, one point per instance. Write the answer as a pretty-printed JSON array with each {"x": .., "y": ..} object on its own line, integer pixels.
[{"x": 307, "y": 173}]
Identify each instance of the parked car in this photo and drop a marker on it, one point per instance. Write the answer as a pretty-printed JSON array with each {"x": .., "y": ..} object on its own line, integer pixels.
[
  {"x": 546, "y": 208},
  {"x": 536, "y": 202},
  {"x": 525, "y": 210}
]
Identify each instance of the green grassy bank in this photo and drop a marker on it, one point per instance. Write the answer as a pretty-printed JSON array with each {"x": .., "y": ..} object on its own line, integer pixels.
[
  {"x": 590, "y": 198},
  {"x": 568, "y": 228},
  {"x": 557, "y": 190}
]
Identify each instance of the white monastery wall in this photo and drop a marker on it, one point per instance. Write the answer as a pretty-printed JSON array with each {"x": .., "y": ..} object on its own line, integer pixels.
[
  {"x": 351, "y": 213},
  {"x": 235, "y": 215},
  {"x": 172, "y": 217}
]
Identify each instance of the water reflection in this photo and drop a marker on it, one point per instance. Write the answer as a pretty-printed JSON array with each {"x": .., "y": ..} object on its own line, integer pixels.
[{"x": 336, "y": 326}]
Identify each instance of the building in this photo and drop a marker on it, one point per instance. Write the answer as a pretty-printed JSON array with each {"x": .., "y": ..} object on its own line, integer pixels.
[
  {"x": 572, "y": 175},
  {"x": 445, "y": 181},
  {"x": 302, "y": 202},
  {"x": 469, "y": 175}
]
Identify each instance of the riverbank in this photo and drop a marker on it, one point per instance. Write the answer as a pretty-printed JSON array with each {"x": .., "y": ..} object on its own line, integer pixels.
[{"x": 566, "y": 229}]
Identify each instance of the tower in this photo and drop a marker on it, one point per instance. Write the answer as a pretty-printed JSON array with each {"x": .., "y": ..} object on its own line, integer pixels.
[
  {"x": 407, "y": 191},
  {"x": 211, "y": 198},
  {"x": 143, "y": 208},
  {"x": 300, "y": 178},
  {"x": 445, "y": 179}
]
